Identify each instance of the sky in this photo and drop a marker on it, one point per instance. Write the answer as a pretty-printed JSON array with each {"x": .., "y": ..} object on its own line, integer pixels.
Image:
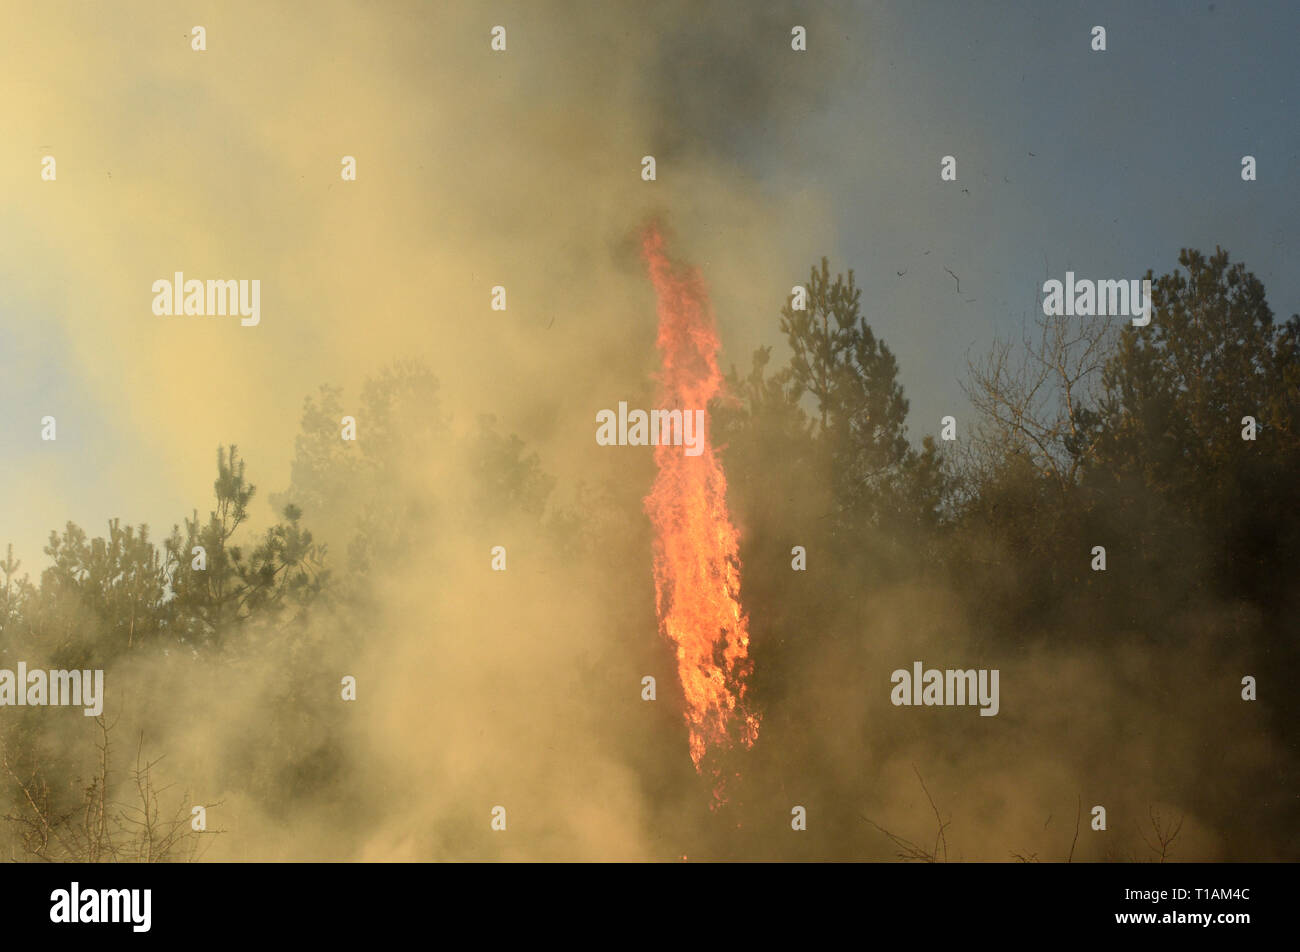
[{"x": 522, "y": 168}]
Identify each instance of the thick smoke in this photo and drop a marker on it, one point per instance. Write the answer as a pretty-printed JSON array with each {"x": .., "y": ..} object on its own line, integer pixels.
[{"x": 522, "y": 688}]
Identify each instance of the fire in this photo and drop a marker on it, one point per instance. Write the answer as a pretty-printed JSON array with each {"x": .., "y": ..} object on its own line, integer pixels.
[{"x": 696, "y": 551}]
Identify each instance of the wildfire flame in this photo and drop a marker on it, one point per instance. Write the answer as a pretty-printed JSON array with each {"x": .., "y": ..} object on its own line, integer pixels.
[{"x": 696, "y": 550}]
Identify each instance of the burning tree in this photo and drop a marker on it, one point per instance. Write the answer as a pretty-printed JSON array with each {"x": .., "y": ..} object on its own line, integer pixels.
[{"x": 696, "y": 552}]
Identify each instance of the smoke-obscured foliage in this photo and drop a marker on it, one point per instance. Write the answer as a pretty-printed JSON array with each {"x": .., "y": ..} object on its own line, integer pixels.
[
  {"x": 521, "y": 688},
  {"x": 1122, "y": 687},
  {"x": 372, "y": 558}
]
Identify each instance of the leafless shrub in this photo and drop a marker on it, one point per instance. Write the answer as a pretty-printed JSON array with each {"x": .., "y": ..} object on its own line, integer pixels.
[
  {"x": 910, "y": 852},
  {"x": 98, "y": 829}
]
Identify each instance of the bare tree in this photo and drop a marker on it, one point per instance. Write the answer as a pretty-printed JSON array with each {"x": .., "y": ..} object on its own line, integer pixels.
[
  {"x": 1030, "y": 396},
  {"x": 99, "y": 829}
]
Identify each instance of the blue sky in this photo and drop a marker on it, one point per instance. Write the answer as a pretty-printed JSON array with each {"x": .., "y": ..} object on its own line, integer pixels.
[
  {"x": 1136, "y": 154},
  {"x": 524, "y": 170}
]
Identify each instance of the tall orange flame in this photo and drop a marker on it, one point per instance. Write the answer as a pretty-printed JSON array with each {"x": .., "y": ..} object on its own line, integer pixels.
[{"x": 696, "y": 551}]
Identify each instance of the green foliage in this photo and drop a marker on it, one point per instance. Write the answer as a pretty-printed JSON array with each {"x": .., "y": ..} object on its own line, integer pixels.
[
  {"x": 861, "y": 413},
  {"x": 1131, "y": 440},
  {"x": 1169, "y": 454},
  {"x": 284, "y": 570}
]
